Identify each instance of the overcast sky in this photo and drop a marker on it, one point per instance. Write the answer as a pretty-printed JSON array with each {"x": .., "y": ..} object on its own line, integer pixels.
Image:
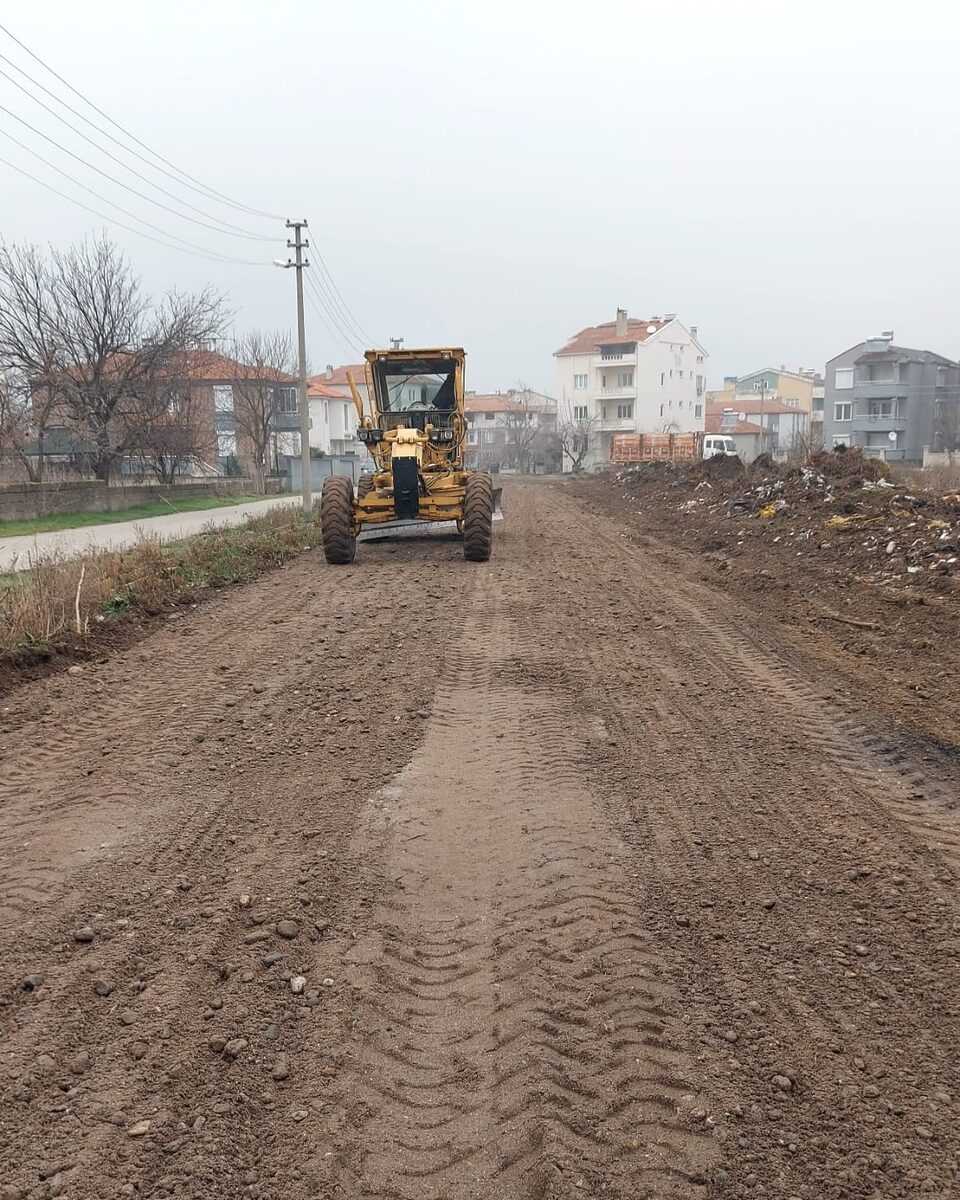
[{"x": 499, "y": 175}]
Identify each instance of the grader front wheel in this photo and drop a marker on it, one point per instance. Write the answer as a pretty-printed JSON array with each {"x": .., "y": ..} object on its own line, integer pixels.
[
  {"x": 336, "y": 520},
  {"x": 478, "y": 518}
]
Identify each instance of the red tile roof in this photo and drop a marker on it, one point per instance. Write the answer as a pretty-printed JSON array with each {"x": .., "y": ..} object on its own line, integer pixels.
[
  {"x": 316, "y": 387},
  {"x": 496, "y": 402},
  {"x": 713, "y": 423},
  {"x": 337, "y": 376},
  {"x": 749, "y": 404},
  {"x": 587, "y": 340}
]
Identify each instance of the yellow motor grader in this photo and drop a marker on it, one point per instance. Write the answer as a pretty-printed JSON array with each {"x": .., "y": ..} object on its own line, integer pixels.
[{"x": 415, "y": 433}]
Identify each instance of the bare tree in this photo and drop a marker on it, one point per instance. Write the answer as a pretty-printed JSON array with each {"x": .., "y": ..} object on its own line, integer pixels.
[
  {"x": 89, "y": 342},
  {"x": 523, "y": 428},
  {"x": 263, "y": 375},
  {"x": 947, "y": 429},
  {"x": 577, "y": 437},
  {"x": 167, "y": 426},
  {"x": 29, "y": 357}
]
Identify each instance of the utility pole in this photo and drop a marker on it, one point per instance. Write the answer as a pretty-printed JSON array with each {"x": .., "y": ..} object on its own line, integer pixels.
[
  {"x": 763, "y": 396},
  {"x": 298, "y": 245}
]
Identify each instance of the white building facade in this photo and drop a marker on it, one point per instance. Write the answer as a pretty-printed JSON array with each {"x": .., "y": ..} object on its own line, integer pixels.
[{"x": 630, "y": 376}]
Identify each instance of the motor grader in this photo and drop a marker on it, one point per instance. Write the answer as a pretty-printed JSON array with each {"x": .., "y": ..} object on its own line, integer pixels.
[{"x": 415, "y": 433}]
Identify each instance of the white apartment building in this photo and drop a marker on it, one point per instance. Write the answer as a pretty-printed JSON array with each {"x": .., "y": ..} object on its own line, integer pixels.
[{"x": 631, "y": 376}]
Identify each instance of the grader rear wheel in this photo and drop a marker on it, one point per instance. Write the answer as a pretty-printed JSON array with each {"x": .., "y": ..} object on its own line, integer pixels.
[
  {"x": 336, "y": 520},
  {"x": 478, "y": 517}
]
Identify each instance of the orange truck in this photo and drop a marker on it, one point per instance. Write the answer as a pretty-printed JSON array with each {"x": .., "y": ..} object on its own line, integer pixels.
[{"x": 677, "y": 447}]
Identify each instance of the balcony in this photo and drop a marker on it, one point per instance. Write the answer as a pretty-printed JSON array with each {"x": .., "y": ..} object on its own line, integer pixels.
[
  {"x": 876, "y": 389},
  {"x": 616, "y": 424},
  {"x": 285, "y": 422},
  {"x": 610, "y": 358},
  {"x": 616, "y": 393},
  {"x": 868, "y": 424}
]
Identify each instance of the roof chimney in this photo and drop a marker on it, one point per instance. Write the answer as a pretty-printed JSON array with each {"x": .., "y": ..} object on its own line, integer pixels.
[
  {"x": 621, "y": 322},
  {"x": 693, "y": 331},
  {"x": 669, "y": 316},
  {"x": 887, "y": 333},
  {"x": 329, "y": 374}
]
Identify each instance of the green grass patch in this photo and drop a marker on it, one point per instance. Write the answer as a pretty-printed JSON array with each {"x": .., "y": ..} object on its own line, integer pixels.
[{"x": 137, "y": 512}]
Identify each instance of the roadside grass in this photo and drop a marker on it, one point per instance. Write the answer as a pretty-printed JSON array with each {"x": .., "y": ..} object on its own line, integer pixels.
[
  {"x": 60, "y": 603},
  {"x": 52, "y": 522}
]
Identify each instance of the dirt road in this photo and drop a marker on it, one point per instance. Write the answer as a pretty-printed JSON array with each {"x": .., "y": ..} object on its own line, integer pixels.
[{"x": 562, "y": 876}]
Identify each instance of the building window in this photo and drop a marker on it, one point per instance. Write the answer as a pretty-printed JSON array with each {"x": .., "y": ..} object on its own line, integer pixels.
[
  {"x": 882, "y": 408},
  {"x": 489, "y": 436},
  {"x": 699, "y": 358},
  {"x": 489, "y": 416},
  {"x": 843, "y": 378},
  {"x": 681, "y": 374},
  {"x": 579, "y": 412},
  {"x": 624, "y": 412},
  {"x": 579, "y": 381},
  {"x": 227, "y": 444},
  {"x": 625, "y": 379},
  {"x": 699, "y": 385},
  {"x": 842, "y": 439},
  {"x": 286, "y": 401},
  {"x": 679, "y": 404},
  {"x": 697, "y": 412},
  {"x": 843, "y": 411},
  {"x": 326, "y": 412},
  {"x": 661, "y": 410},
  {"x": 223, "y": 399},
  {"x": 471, "y": 437},
  {"x": 663, "y": 380},
  {"x": 760, "y": 385}
]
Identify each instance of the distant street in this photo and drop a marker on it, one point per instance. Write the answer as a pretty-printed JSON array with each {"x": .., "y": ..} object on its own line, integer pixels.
[{"x": 17, "y": 553}]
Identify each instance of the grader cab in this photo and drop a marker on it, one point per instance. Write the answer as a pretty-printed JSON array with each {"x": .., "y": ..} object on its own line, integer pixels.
[{"x": 415, "y": 433}]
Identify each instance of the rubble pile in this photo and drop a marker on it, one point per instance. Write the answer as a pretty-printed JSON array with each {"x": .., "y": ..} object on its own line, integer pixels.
[{"x": 841, "y": 508}]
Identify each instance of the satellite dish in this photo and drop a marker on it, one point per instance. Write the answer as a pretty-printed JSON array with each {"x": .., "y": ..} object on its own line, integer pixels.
[
  {"x": 651, "y": 329},
  {"x": 741, "y": 416},
  {"x": 892, "y": 436}
]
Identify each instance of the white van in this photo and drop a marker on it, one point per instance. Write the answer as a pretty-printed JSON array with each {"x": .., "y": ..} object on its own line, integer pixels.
[{"x": 717, "y": 446}]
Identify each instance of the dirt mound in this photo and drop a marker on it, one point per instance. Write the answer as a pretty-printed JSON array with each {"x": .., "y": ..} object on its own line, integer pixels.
[
  {"x": 720, "y": 467},
  {"x": 843, "y": 463}
]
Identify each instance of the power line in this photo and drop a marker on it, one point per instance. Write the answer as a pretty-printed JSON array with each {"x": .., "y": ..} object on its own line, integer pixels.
[
  {"x": 229, "y": 229},
  {"x": 351, "y": 319},
  {"x": 323, "y": 299},
  {"x": 196, "y": 184},
  {"x": 322, "y": 314},
  {"x": 197, "y": 252},
  {"x": 112, "y": 178}
]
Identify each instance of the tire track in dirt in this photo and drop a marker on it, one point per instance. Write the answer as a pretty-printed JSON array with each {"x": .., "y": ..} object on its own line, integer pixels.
[
  {"x": 810, "y": 924},
  {"x": 517, "y": 1036}
]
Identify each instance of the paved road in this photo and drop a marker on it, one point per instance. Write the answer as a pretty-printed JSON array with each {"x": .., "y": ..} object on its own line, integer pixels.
[
  {"x": 17, "y": 552},
  {"x": 566, "y": 876}
]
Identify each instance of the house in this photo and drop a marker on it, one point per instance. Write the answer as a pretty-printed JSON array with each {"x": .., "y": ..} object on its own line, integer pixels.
[
  {"x": 787, "y": 426},
  {"x": 792, "y": 403},
  {"x": 630, "y": 376},
  {"x": 889, "y": 400},
  {"x": 514, "y": 430},
  {"x": 795, "y": 389},
  {"x": 750, "y": 438},
  {"x": 333, "y": 414},
  {"x": 236, "y": 399},
  {"x": 206, "y": 413}
]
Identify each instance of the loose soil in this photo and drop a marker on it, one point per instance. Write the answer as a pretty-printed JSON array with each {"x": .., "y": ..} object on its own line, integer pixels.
[{"x": 593, "y": 871}]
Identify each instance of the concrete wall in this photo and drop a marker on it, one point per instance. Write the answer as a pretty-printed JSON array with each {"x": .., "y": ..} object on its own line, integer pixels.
[{"x": 19, "y": 501}]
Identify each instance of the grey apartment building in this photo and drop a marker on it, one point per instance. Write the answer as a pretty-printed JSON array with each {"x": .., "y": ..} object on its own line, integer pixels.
[{"x": 887, "y": 399}]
